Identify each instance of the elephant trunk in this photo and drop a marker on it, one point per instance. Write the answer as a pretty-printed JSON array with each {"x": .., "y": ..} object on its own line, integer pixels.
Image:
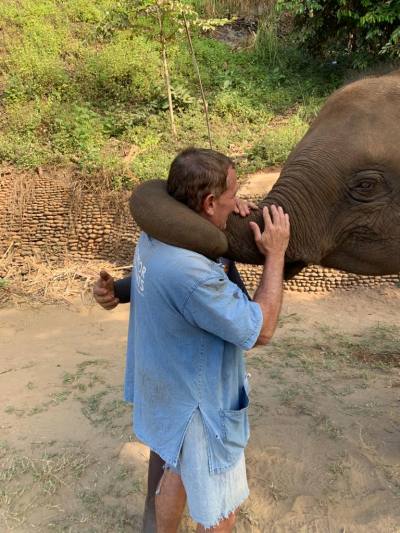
[{"x": 305, "y": 193}]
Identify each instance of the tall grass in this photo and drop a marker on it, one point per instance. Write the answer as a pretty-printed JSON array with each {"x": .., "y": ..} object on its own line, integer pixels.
[
  {"x": 267, "y": 45},
  {"x": 217, "y": 8}
]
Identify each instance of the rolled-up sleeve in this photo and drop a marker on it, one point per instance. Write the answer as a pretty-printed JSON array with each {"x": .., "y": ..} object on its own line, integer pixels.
[{"x": 218, "y": 306}]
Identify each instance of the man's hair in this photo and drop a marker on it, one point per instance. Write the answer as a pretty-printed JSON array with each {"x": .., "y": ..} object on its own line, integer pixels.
[{"x": 196, "y": 172}]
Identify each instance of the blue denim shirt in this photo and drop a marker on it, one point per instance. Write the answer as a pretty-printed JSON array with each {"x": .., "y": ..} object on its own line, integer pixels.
[{"x": 188, "y": 328}]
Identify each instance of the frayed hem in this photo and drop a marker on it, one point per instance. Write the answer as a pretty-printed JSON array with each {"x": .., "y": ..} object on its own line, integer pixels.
[{"x": 223, "y": 516}]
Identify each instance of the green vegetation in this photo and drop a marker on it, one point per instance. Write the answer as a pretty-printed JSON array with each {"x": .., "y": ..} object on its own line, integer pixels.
[
  {"x": 101, "y": 406},
  {"x": 278, "y": 142},
  {"x": 82, "y": 83},
  {"x": 344, "y": 30},
  {"x": 55, "y": 399}
]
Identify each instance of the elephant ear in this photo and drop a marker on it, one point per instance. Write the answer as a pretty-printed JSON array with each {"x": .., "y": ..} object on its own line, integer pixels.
[{"x": 164, "y": 218}]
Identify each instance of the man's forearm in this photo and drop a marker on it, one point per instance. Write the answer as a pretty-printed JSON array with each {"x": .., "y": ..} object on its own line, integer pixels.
[
  {"x": 122, "y": 289},
  {"x": 269, "y": 295}
]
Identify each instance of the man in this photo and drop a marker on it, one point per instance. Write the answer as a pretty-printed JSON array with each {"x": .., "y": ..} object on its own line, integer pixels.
[
  {"x": 109, "y": 293},
  {"x": 185, "y": 369}
]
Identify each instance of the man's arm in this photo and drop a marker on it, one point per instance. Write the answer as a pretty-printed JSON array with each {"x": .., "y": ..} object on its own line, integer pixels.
[
  {"x": 272, "y": 243},
  {"x": 109, "y": 293},
  {"x": 122, "y": 289},
  {"x": 234, "y": 276},
  {"x": 243, "y": 208}
]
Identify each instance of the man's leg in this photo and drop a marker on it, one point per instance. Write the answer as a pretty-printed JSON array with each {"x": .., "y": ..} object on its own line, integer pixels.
[
  {"x": 155, "y": 472},
  {"x": 170, "y": 502}
]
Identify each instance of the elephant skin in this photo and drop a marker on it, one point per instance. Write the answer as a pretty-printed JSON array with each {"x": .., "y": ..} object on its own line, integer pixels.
[{"x": 340, "y": 187}]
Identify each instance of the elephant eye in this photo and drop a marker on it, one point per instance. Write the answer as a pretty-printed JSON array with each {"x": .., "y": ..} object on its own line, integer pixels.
[{"x": 367, "y": 186}]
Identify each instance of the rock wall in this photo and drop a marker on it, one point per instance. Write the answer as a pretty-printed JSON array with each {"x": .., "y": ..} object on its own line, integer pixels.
[
  {"x": 317, "y": 279},
  {"x": 47, "y": 216}
]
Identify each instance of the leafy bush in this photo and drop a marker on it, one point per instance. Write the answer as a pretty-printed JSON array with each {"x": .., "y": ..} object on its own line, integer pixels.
[
  {"x": 24, "y": 150},
  {"x": 333, "y": 28},
  {"x": 213, "y": 57},
  {"x": 152, "y": 164},
  {"x": 279, "y": 142},
  {"x": 234, "y": 105},
  {"x": 118, "y": 72},
  {"x": 91, "y": 12},
  {"x": 34, "y": 65},
  {"x": 22, "y": 129},
  {"x": 78, "y": 131},
  {"x": 181, "y": 99}
]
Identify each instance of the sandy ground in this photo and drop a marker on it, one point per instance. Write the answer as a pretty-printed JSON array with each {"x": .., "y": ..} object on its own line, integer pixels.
[
  {"x": 324, "y": 453},
  {"x": 259, "y": 183}
]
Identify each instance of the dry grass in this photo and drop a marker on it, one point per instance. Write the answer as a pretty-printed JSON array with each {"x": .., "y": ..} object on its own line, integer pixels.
[
  {"x": 27, "y": 482},
  {"x": 240, "y": 7},
  {"x": 22, "y": 192},
  {"x": 37, "y": 282}
]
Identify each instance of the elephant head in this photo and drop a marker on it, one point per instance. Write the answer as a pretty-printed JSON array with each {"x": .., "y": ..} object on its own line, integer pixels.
[{"x": 340, "y": 186}]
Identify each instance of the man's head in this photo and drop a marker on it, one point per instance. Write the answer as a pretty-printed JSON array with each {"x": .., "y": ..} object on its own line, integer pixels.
[{"x": 206, "y": 182}]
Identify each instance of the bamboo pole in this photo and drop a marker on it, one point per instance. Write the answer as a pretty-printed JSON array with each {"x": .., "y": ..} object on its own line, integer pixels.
[
  {"x": 203, "y": 96},
  {"x": 166, "y": 72}
]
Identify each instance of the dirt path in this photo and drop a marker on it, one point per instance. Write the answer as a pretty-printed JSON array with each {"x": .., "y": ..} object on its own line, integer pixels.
[
  {"x": 324, "y": 454},
  {"x": 259, "y": 183}
]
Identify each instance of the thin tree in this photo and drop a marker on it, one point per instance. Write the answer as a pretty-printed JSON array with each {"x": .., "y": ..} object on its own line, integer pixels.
[
  {"x": 167, "y": 80},
  {"x": 196, "y": 66},
  {"x": 180, "y": 13}
]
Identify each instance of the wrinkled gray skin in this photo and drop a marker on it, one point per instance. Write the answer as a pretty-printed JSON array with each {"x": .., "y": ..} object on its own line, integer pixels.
[{"x": 341, "y": 186}]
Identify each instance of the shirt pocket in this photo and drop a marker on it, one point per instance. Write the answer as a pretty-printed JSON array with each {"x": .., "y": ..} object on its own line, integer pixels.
[{"x": 235, "y": 426}]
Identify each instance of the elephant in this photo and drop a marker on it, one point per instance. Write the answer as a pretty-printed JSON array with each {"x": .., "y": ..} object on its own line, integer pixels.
[{"x": 340, "y": 186}]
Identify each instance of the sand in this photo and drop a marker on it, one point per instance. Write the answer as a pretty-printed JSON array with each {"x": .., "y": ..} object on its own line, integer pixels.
[{"x": 324, "y": 452}]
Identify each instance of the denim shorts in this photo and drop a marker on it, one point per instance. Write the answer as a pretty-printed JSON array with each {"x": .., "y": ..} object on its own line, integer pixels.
[{"x": 210, "y": 497}]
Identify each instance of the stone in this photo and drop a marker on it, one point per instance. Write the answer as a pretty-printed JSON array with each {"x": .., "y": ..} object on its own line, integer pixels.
[{"x": 134, "y": 454}]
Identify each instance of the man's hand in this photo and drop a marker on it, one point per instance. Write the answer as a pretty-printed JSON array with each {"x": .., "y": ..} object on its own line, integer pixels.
[
  {"x": 243, "y": 207},
  {"x": 275, "y": 238},
  {"x": 103, "y": 291}
]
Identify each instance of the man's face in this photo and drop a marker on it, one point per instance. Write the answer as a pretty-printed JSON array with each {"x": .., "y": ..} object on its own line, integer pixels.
[{"x": 218, "y": 209}]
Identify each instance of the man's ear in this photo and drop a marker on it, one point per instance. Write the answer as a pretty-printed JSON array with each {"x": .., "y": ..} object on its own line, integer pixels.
[{"x": 208, "y": 204}]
